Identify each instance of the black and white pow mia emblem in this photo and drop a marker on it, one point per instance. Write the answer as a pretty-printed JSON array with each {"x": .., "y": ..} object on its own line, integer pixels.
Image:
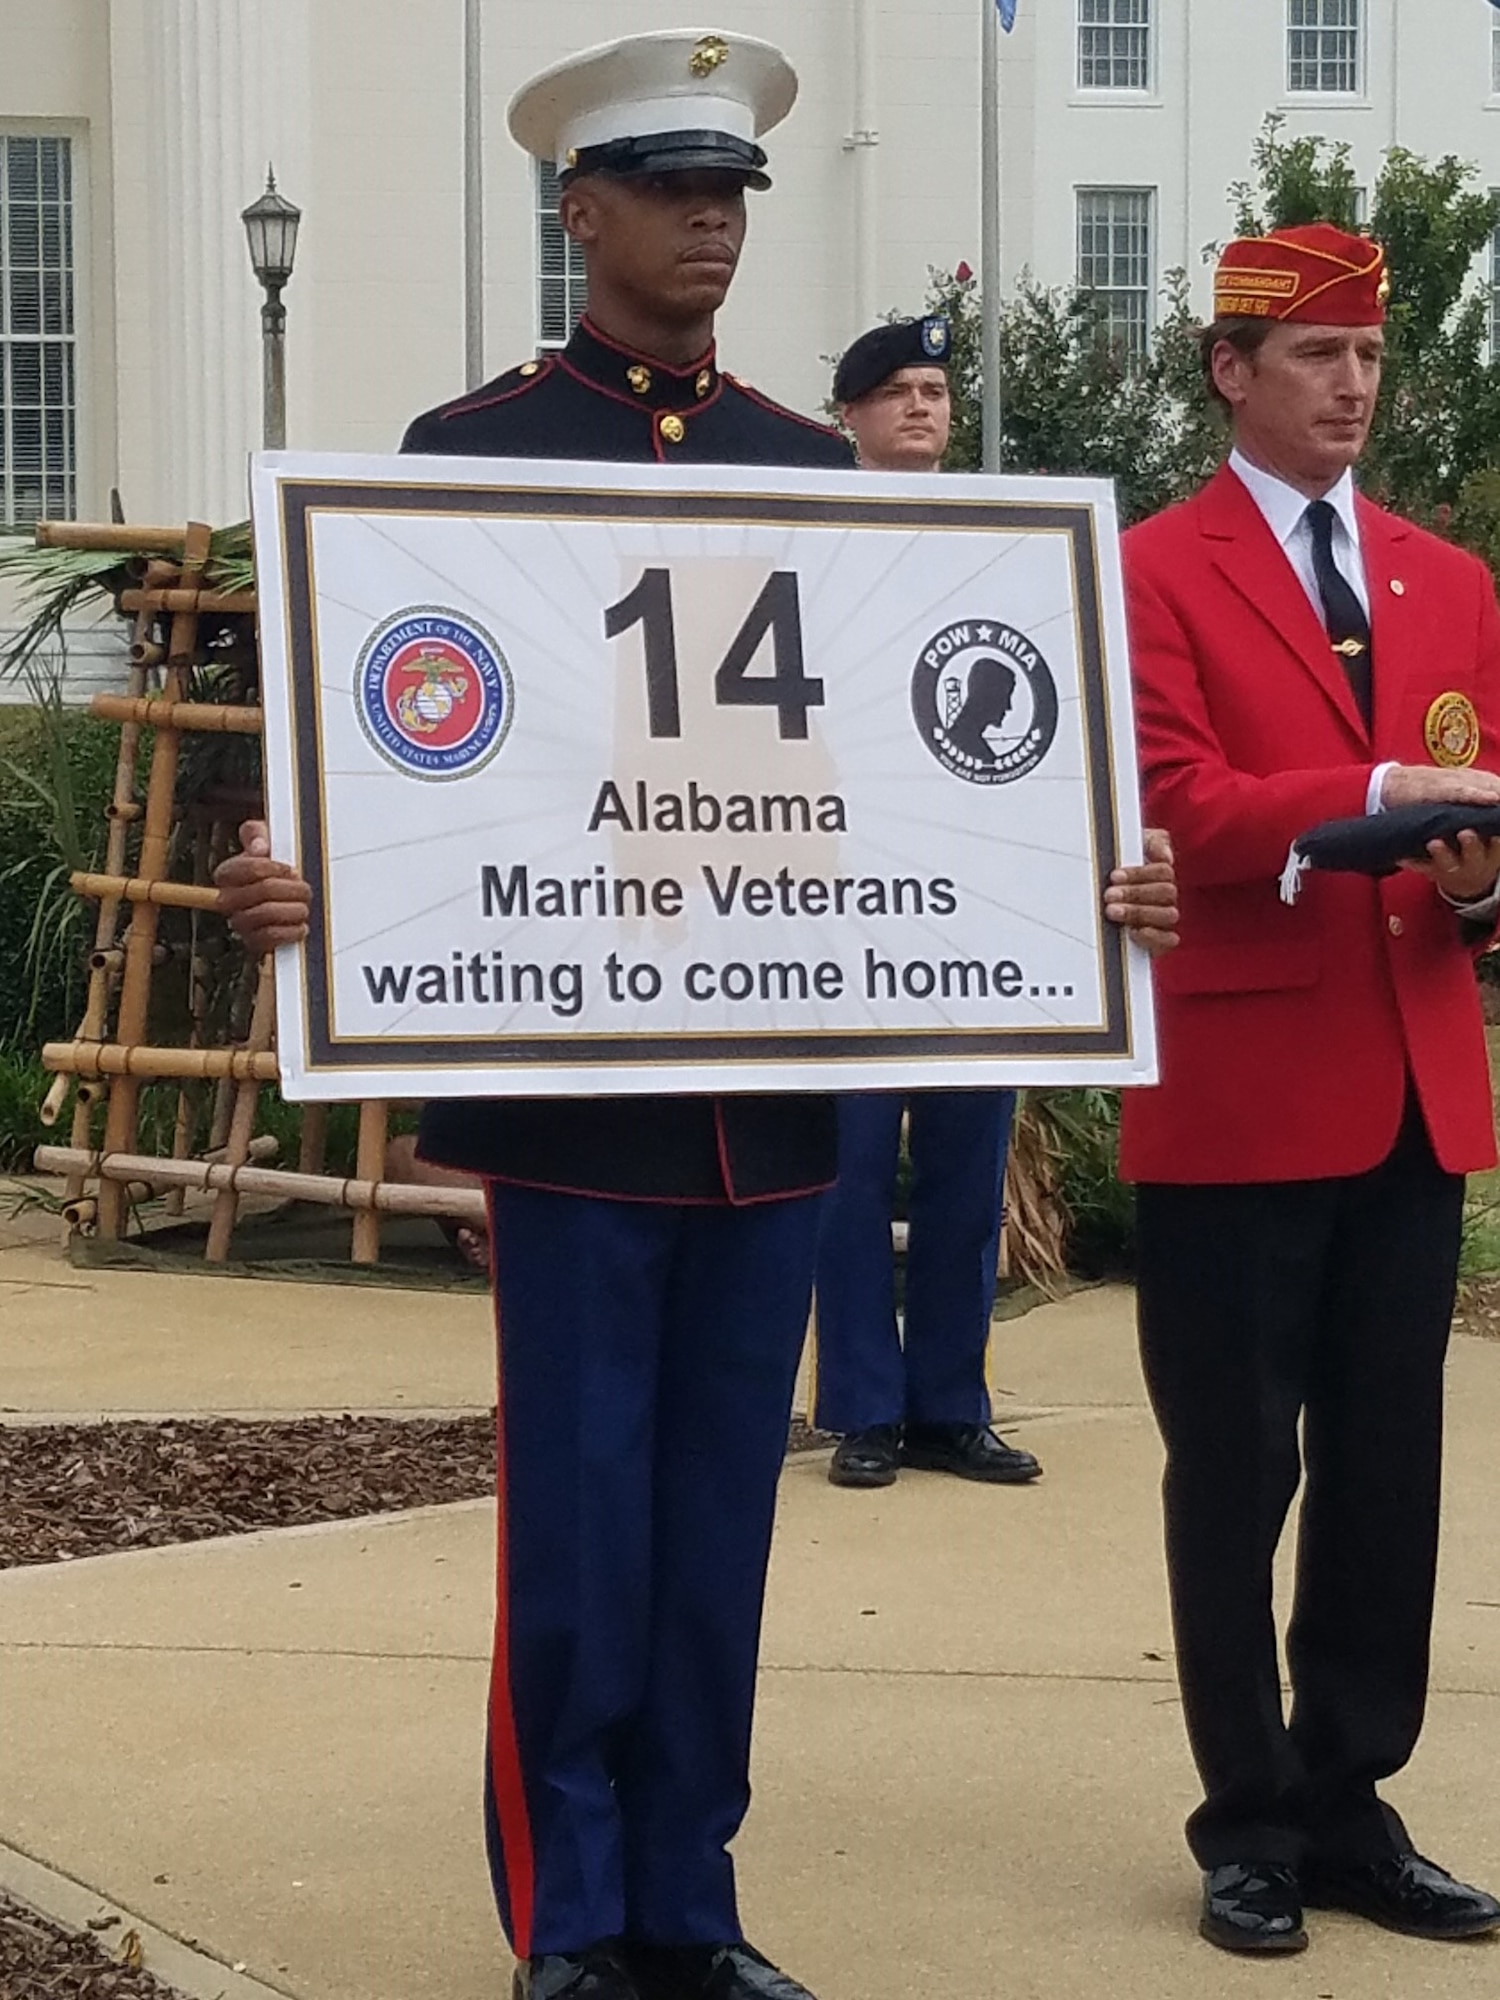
[{"x": 985, "y": 701}]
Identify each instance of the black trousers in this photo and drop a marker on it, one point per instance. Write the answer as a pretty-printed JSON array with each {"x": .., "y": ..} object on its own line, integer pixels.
[{"x": 1329, "y": 1302}]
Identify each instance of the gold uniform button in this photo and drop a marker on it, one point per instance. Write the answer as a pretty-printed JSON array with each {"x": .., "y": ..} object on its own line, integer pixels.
[
  {"x": 673, "y": 429},
  {"x": 639, "y": 379},
  {"x": 704, "y": 383},
  {"x": 1395, "y": 926},
  {"x": 531, "y": 367}
]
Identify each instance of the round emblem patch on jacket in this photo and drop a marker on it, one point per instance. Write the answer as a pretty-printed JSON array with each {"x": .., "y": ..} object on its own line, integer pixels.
[
  {"x": 433, "y": 693},
  {"x": 1452, "y": 731}
]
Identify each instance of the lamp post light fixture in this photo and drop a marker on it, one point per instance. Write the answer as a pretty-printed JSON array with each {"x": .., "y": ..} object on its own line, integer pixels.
[{"x": 271, "y": 230}]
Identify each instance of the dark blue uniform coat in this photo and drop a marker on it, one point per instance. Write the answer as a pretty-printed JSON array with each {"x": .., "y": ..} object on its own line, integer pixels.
[{"x": 653, "y": 1265}]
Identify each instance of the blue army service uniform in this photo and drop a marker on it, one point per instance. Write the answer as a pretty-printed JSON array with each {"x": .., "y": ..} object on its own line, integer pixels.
[
  {"x": 653, "y": 1263},
  {"x": 867, "y": 1374},
  {"x": 867, "y": 1377}
]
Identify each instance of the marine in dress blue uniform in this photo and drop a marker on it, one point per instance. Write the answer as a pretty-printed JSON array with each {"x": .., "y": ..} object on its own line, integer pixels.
[
  {"x": 922, "y": 1398},
  {"x": 652, "y": 1258}
]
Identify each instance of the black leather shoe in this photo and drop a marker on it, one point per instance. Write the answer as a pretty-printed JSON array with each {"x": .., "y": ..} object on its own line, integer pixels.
[
  {"x": 1405, "y": 1893},
  {"x": 867, "y": 1458},
  {"x": 971, "y": 1450},
  {"x": 1252, "y": 1906},
  {"x": 595, "y": 1974},
  {"x": 709, "y": 1972}
]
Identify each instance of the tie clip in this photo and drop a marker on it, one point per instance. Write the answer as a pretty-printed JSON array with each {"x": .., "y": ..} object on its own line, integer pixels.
[{"x": 1350, "y": 648}]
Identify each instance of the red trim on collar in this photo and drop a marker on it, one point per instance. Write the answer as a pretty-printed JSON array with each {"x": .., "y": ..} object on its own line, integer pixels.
[
  {"x": 599, "y": 389},
  {"x": 705, "y": 360},
  {"x": 766, "y": 403},
  {"x": 544, "y": 368}
]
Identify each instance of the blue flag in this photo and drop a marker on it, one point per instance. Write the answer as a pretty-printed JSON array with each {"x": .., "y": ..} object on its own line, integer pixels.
[{"x": 1008, "y": 12}]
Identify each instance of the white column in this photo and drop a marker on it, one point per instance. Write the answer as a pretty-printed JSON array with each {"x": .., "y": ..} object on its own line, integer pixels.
[{"x": 219, "y": 87}]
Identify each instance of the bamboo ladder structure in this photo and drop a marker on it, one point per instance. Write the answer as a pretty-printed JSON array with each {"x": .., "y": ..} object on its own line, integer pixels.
[{"x": 171, "y": 598}]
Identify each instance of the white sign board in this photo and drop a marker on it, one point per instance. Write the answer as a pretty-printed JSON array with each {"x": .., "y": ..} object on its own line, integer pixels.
[{"x": 615, "y": 779}]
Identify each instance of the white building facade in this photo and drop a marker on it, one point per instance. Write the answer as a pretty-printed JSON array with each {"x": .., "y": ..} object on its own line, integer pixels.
[{"x": 132, "y": 133}]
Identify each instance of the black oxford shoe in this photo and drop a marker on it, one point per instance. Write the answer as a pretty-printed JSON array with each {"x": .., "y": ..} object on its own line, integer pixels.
[
  {"x": 709, "y": 1972},
  {"x": 595, "y": 1974},
  {"x": 867, "y": 1458},
  {"x": 1252, "y": 1906},
  {"x": 971, "y": 1450},
  {"x": 1405, "y": 1893}
]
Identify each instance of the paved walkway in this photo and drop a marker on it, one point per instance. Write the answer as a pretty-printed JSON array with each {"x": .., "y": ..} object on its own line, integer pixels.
[{"x": 969, "y": 1764}]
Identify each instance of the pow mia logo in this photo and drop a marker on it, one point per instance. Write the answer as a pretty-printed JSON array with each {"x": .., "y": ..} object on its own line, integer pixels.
[{"x": 984, "y": 701}]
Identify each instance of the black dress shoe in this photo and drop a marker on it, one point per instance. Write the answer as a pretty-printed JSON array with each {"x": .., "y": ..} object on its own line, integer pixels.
[
  {"x": 1252, "y": 1906},
  {"x": 867, "y": 1458},
  {"x": 709, "y": 1972},
  {"x": 1405, "y": 1893},
  {"x": 971, "y": 1450},
  {"x": 595, "y": 1974}
]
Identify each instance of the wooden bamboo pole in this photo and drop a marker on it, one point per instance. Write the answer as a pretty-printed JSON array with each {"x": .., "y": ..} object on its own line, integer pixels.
[
  {"x": 112, "y": 962},
  {"x": 83, "y": 1213},
  {"x": 52, "y": 1104},
  {"x": 205, "y": 717},
  {"x": 187, "y": 602},
  {"x": 141, "y": 889},
  {"x": 136, "y": 1062},
  {"x": 366, "y": 1198},
  {"x": 156, "y": 834},
  {"x": 242, "y": 1120},
  {"x": 105, "y": 538},
  {"x": 182, "y": 1126},
  {"x": 369, "y": 1166},
  {"x": 122, "y": 811},
  {"x": 313, "y": 1149}
]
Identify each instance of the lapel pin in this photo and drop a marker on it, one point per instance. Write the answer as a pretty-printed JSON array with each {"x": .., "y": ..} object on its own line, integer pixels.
[{"x": 1398, "y": 588}]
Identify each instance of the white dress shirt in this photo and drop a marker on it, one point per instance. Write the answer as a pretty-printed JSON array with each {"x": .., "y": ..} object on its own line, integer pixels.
[{"x": 1285, "y": 512}]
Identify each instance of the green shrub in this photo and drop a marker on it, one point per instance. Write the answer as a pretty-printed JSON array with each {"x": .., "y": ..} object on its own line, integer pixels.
[
  {"x": 1084, "y": 1126},
  {"x": 56, "y": 777},
  {"x": 23, "y": 1085}
]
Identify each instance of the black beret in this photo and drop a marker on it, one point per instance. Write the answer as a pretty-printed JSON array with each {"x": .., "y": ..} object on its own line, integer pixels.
[
  {"x": 876, "y": 355},
  {"x": 1377, "y": 843}
]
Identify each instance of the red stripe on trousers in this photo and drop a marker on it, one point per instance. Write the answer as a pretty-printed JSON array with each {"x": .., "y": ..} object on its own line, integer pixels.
[{"x": 506, "y": 1778}]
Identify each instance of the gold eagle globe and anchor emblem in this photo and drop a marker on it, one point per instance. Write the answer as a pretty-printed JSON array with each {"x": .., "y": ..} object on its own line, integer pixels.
[
  {"x": 1451, "y": 731},
  {"x": 710, "y": 54},
  {"x": 427, "y": 704}
]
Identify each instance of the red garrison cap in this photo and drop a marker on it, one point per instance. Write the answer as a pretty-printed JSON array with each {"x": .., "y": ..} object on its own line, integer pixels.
[{"x": 1315, "y": 273}]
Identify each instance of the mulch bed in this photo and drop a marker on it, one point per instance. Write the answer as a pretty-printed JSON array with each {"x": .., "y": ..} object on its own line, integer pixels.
[
  {"x": 1479, "y": 1306},
  {"x": 41, "y": 1961},
  {"x": 91, "y": 1489},
  {"x": 75, "y": 1490}
]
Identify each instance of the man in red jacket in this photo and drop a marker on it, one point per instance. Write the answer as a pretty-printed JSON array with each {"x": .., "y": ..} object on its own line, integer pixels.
[{"x": 1301, "y": 656}]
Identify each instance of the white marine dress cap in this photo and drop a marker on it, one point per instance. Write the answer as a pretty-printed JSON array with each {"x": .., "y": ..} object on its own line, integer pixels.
[{"x": 682, "y": 100}]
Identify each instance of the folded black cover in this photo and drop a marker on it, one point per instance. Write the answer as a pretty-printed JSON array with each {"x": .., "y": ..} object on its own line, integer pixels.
[{"x": 1377, "y": 843}]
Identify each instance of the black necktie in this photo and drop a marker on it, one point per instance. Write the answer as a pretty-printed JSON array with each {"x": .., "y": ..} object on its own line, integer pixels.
[{"x": 1343, "y": 614}]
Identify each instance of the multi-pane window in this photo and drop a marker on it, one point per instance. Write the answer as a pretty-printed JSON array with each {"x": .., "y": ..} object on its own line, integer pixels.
[
  {"x": 1495, "y": 296},
  {"x": 1114, "y": 44},
  {"x": 38, "y": 362},
  {"x": 1322, "y": 46},
  {"x": 561, "y": 286},
  {"x": 1115, "y": 261},
  {"x": 1495, "y": 60}
]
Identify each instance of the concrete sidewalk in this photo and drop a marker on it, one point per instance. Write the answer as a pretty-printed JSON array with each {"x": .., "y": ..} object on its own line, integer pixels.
[{"x": 970, "y": 1766}]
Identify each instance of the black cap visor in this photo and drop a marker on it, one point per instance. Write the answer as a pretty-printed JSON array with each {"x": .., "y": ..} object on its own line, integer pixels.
[{"x": 671, "y": 153}]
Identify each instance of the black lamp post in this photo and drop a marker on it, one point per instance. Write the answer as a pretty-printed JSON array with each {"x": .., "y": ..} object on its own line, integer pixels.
[{"x": 271, "y": 229}]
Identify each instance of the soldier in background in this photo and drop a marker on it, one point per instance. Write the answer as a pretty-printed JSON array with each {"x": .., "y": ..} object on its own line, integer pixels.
[{"x": 916, "y": 1396}]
